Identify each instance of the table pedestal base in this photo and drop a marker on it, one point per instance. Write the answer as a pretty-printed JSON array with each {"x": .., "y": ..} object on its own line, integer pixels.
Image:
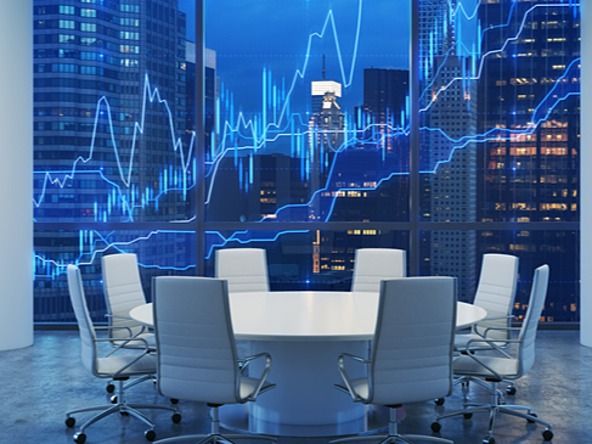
[
  {"x": 236, "y": 418},
  {"x": 305, "y": 401}
]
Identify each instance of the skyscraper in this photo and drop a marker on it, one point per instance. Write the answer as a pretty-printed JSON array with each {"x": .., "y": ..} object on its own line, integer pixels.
[
  {"x": 449, "y": 112},
  {"x": 109, "y": 105},
  {"x": 529, "y": 95}
]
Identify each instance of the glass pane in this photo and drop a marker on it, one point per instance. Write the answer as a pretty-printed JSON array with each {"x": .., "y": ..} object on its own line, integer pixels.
[
  {"x": 159, "y": 252},
  {"x": 441, "y": 256},
  {"x": 499, "y": 110},
  {"x": 315, "y": 259},
  {"x": 310, "y": 120},
  {"x": 114, "y": 140}
]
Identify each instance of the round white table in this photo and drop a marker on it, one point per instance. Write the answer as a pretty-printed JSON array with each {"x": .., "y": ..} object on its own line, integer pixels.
[{"x": 305, "y": 331}]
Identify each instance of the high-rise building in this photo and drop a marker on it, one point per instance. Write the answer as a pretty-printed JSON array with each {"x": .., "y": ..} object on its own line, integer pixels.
[
  {"x": 449, "y": 179},
  {"x": 529, "y": 95},
  {"x": 326, "y": 137},
  {"x": 385, "y": 92},
  {"x": 318, "y": 89},
  {"x": 109, "y": 105}
]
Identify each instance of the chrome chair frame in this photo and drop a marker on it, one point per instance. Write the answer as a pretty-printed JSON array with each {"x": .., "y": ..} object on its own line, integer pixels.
[
  {"x": 490, "y": 378},
  {"x": 167, "y": 350},
  {"x": 379, "y": 355},
  {"x": 89, "y": 345}
]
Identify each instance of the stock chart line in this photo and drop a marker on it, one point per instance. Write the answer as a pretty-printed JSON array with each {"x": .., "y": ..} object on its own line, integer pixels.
[
  {"x": 150, "y": 95},
  {"x": 280, "y": 127}
]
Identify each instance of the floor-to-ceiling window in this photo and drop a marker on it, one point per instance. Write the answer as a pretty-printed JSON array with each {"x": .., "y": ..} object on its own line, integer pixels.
[
  {"x": 317, "y": 132},
  {"x": 499, "y": 152},
  {"x": 308, "y": 155},
  {"x": 115, "y": 164}
]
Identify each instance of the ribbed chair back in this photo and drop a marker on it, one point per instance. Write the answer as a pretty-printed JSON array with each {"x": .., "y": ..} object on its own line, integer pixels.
[
  {"x": 197, "y": 358},
  {"x": 123, "y": 291},
  {"x": 411, "y": 357},
  {"x": 372, "y": 265},
  {"x": 496, "y": 291},
  {"x": 538, "y": 294},
  {"x": 245, "y": 269},
  {"x": 88, "y": 348}
]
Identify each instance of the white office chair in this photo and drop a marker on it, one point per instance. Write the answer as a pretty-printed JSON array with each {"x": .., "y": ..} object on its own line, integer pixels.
[
  {"x": 245, "y": 269},
  {"x": 120, "y": 364},
  {"x": 495, "y": 293},
  {"x": 411, "y": 353},
  {"x": 492, "y": 369},
  {"x": 123, "y": 291},
  {"x": 197, "y": 357},
  {"x": 372, "y": 265}
]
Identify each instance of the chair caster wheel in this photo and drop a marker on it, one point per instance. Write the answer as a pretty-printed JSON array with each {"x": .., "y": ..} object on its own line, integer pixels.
[
  {"x": 468, "y": 415},
  {"x": 80, "y": 438},
  {"x": 488, "y": 440},
  {"x": 174, "y": 401},
  {"x": 436, "y": 427},
  {"x": 547, "y": 435},
  {"x": 150, "y": 435},
  {"x": 114, "y": 399},
  {"x": 110, "y": 388},
  {"x": 176, "y": 418},
  {"x": 70, "y": 422},
  {"x": 439, "y": 401},
  {"x": 511, "y": 390}
]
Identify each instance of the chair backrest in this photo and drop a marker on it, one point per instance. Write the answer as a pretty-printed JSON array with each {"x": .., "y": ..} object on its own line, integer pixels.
[
  {"x": 88, "y": 348},
  {"x": 372, "y": 265},
  {"x": 197, "y": 358},
  {"x": 123, "y": 291},
  {"x": 538, "y": 294},
  {"x": 411, "y": 357},
  {"x": 245, "y": 269},
  {"x": 496, "y": 291}
]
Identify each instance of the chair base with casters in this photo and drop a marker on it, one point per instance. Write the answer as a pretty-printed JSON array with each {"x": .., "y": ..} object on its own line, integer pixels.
[
  {"x": 497, "y": 405},
  {"x": 465, "y": 380},
  {"x": 393, "y": 435},
  {"x": 110, "y": 387},
  {"x": 122, "y": 407},
  {"x": 214, "y": 436}
]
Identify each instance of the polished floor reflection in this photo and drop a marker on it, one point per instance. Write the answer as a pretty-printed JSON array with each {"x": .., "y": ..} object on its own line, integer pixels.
[{"x": 44, "y": 381}]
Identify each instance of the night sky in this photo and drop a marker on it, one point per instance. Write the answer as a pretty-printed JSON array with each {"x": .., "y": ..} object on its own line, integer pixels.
[{"x": 248, "y": 35}]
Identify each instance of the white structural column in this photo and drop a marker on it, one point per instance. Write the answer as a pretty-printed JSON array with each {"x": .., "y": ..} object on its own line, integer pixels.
[
  {"x": 16, "y": 174},
  {"x": 586, "y": 178}
]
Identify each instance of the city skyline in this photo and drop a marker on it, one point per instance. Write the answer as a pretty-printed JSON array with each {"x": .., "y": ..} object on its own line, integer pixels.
[{"x": 360, "y": 179}]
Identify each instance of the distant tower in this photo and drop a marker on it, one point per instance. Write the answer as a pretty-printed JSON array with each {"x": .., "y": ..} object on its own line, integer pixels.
[
  {"x": 318, "y": 89},
  {"x": 450, "y": 192},
  {"x": 385, "y": 99}
]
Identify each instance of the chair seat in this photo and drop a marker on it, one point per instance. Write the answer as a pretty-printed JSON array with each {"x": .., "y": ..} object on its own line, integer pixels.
[
  {"x": 149, "y": 337},
  {"x": 466, "y": 366},
  {"x": 360, "y": 386},
  {"x": 110, "y": 365}
]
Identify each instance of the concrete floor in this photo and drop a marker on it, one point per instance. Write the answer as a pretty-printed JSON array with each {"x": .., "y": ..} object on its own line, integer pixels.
[{"x": 44, "y": 381}]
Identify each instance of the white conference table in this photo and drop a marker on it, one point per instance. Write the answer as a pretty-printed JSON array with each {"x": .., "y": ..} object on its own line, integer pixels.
[{"x": 305, "y": 331}]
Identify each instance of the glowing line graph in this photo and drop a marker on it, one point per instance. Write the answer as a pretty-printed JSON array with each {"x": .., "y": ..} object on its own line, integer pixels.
[
  {"x": 538, "y": 116},
  {"x": 125, "y": 172},
  {"x": 248, "y": 124},
  {"x": 491, "y": 53},
  {"x": 96, "y": 238}
]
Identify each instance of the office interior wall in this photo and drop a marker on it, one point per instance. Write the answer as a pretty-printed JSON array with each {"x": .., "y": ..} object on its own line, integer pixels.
[{"x": 16, "y": 178}]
